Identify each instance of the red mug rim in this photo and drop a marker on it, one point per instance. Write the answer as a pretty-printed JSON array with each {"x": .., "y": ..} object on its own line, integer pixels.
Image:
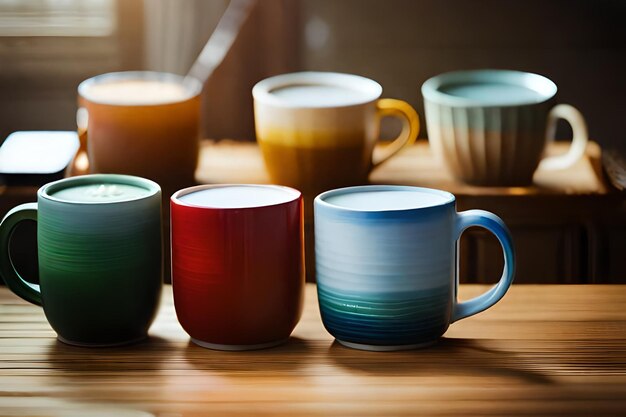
[{"x": 175, "y": 198}]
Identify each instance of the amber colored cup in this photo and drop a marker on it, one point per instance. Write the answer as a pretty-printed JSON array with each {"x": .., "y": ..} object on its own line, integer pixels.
[{"x": 153, "y": 138}]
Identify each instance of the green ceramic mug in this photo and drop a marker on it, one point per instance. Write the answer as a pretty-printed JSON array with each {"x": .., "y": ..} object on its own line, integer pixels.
[{"x": 100, "y": 257}]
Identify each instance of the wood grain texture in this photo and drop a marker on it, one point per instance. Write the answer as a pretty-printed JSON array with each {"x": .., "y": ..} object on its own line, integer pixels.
[{"x": 543, "y": 350}]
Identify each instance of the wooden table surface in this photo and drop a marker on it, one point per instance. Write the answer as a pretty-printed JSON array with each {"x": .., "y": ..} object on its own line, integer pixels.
[{"x": 543, "y": 350}]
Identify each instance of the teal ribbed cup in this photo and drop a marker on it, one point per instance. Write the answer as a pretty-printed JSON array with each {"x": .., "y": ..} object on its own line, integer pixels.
[
  {"x": 491, "y": 127},
  {"x": 100, "y": 257}
]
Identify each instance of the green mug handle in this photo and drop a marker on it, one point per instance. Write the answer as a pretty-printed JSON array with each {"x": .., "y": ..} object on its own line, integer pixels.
[{"x": 17, "y": 284}]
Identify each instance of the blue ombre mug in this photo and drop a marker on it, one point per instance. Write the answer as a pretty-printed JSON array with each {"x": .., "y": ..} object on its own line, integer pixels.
[{"x": 386, "y": 264}]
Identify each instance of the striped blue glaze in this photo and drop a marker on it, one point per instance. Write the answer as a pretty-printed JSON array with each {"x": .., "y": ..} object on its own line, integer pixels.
[{"x": 388, "y": 277}]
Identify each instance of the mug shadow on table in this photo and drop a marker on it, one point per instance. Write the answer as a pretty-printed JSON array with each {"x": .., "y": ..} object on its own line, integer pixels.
[
  {"x": 147, "y": 356},
  {"x": 155, "y": 354},
  {"x": 448, "y": 357},
  {"x": 280, "y": 359}
]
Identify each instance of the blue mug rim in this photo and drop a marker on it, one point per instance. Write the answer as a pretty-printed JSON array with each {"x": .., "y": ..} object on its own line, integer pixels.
[
  {"x": 320, "y": 199},
  {"x": 431, "y": 89}
]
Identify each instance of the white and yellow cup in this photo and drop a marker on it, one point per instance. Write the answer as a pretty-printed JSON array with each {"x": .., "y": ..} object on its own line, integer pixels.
[{"x": 317, "y": 130}]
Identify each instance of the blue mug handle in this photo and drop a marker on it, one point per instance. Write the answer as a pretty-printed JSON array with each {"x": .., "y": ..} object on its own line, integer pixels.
[{"x": 495, "y": 225}]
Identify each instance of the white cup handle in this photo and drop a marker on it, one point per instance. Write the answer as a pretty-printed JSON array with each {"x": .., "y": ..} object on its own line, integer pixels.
[{"x": 579, "y": 139}]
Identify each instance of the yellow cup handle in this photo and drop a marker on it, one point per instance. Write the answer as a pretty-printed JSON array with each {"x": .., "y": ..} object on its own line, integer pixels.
[{"x": 389, "y": 107}]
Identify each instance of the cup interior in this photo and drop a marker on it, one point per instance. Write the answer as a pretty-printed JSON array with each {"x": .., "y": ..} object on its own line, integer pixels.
[
  {"x": 235, "y": 196},
  {"x": 316, "y": 90},
  {"x": 376, "y": 198},
  {"x": 139, "y": 88},
  {"x": 480, "y": 88}
]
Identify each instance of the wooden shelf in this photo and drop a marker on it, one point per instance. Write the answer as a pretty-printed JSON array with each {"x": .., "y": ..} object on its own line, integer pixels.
[{"x": 414, "y": 166}]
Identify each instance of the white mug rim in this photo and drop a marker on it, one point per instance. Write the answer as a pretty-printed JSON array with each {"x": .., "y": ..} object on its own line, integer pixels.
[
  {"x": 320, "y": 200},
  {"x": 47, "y": 191},
  {"x": 192, "y": 86},
  {"x": 175, "y": 198},
  {"x": 262, "y": 91}
]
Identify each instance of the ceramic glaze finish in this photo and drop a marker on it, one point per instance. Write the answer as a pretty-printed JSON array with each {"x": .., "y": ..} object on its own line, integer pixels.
[
  {"x": 293, "y": 122},
  {"x": 385, "y": 277},
  {"x": 100, "y": 263},
  {"x": 302, "y": 139},
  {"x": 238, "y": 273},
  {"x": 388, "y": 277},
  {"x": 239, "y": 196},
  {"x": 491, "y": 145},
  {"x": 497, "y": 139}
]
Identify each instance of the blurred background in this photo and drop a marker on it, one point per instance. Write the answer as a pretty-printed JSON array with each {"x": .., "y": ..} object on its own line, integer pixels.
[{"x": 48, "y": 46}]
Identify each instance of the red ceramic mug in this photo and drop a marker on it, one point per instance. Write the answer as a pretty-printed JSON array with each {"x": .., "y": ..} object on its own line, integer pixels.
[{"x": 237, "y": 264}]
